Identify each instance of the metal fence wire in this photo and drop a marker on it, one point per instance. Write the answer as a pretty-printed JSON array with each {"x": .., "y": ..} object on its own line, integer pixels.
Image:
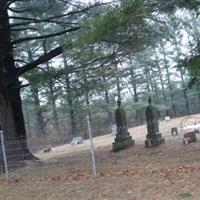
[{"x": 58, "y": 157}]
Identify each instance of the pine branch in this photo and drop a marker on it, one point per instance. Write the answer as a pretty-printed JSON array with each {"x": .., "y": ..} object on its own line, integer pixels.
[
  {"x": 21, "y": 61},
  {"x": 24, "y": 29},
  {"x": 44, "y": 36},
  {"x": 42, "y": 59},
  {"x": 12, "y": 1},
  {"x": 17, "y": 11},
  {"x": 57, "y": 16},
  {"x": 28, "y": 21},
  {"x": 43, "y": 21}
]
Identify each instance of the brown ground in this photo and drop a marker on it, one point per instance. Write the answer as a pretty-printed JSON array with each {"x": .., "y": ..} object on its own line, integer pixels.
[{"x": 169, "y": 172}]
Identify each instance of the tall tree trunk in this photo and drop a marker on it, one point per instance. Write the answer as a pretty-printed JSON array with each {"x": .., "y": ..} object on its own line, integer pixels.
[
  {"x": 169, "y": 80},
  {"x": 161, "y": 78},
  {"x": 135, "y": 92},
  {"x": 148, "y": 85},
  {"x": 178, "y": 52},
  {"x": 170, "y": 89},
  {"x": 52, "y": 96},
  {"x": 70, "y": 99},
  {"x": 40, "y": 124},
  {"x": 197, "y": 87},
  {"x": 134, "y": 85},
  {"x": 151, "y": 85},
  {"x": 54, "y": 110},
  {"x": 71, "y": 107},
  {"x": 11, "y": 115},
  {"x": 38, "y": 113},
  {"x": 27, "y": 122},
  {"x": 135, "y": 97},
  {"x": 107, "y": 100}
]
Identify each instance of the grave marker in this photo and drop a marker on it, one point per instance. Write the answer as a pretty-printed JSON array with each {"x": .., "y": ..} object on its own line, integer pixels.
[
  {"x": 153, "y": 137},
  {"x": 123, "y": 139}
]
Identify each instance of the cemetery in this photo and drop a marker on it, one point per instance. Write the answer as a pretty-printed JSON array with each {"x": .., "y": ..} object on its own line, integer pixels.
[
  {"x": 137, "y": 172},
  {"x": 99, "y": 100}
]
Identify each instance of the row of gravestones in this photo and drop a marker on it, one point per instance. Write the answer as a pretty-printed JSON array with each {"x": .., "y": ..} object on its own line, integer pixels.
[{"x": 123, "y": 139}]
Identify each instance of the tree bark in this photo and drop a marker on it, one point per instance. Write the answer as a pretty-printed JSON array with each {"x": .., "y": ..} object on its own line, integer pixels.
[
  {"x": 169, "y": 80},
  {"x": 52, "y": 95},
  {"x": 197, "y": 87},
  {"x": 107, "y": 100},
  {"x": 70, "y": 100},
  {"x": 135, "y": 92},
  {"x": 178, "y": 52},
  {"x": 133, "y": 82},
  {"x": 71, "y": 107},
  {"x": 11, "y": 115},
  {"x": 40, "y": 125},
  {"x": 146, "y": 72},
  {"x": 54, "y": 110},
  {"x": 27, "y": 120},
  {"x": 161, "y": 78}
]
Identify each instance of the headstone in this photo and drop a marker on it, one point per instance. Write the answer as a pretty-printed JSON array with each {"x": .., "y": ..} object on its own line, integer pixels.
[
  {"x": 153, "y": 137},
  {"x": 167, "y": 118},
  {"x": 174, "y": 131},
  {"x": 189, "y": 137},
  {"x": 77, "y": 140},
  {"x": 123, "y": 139},
  {"x": 47, "y": 149}
]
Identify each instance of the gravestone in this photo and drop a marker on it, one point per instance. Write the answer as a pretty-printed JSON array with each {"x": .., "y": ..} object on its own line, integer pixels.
[
  {"x": 77, "y": 140},
  {"x": 123, "y": 139},
  {"x": 167, "y": 118},
  {"x": 47, "y": 149},
  {"x": 174, "y": 131},
  {"x": 153, "y": 137},
  {"x": 189, "y": 137}
]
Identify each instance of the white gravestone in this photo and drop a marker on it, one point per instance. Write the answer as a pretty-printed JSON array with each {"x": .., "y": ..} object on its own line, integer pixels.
[{"x": 77, "y": 140}]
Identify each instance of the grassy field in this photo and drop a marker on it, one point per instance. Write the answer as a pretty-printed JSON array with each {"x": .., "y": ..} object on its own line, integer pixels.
[{"x": 168, "y": 172}]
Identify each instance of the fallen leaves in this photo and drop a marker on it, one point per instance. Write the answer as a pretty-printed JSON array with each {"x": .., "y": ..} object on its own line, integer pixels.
[
  {"x": 12, "y": 181},
  {"x": 176, "y": 171},
  {"x": 83, "y": 176},
  {"x": 79, "y": 176}
]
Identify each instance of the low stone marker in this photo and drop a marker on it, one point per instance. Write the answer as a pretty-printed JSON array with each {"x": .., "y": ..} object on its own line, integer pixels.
[
  {"x": 47, "y": 149},
  {"x": 167, "y": 118},
  {"x": 77, "y": 140},
  {"x": 153, "y": 137},
  {"x": 123, "y": 139},
  {"x": 189, "y": 137},
  {"x": 174, "y": 131}
]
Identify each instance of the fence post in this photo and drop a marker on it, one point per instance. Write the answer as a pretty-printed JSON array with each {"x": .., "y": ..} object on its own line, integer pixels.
[
  {"x": 4, "y": 155},
  {"x": 92, "y": 147}
]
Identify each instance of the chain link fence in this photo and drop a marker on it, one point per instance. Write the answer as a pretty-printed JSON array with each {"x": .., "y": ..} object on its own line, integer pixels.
[{"x": 56, "y": 157}]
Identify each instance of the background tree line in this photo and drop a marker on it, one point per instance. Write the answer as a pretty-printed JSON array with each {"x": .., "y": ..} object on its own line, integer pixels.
[{"x": 122, "y": 67}]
